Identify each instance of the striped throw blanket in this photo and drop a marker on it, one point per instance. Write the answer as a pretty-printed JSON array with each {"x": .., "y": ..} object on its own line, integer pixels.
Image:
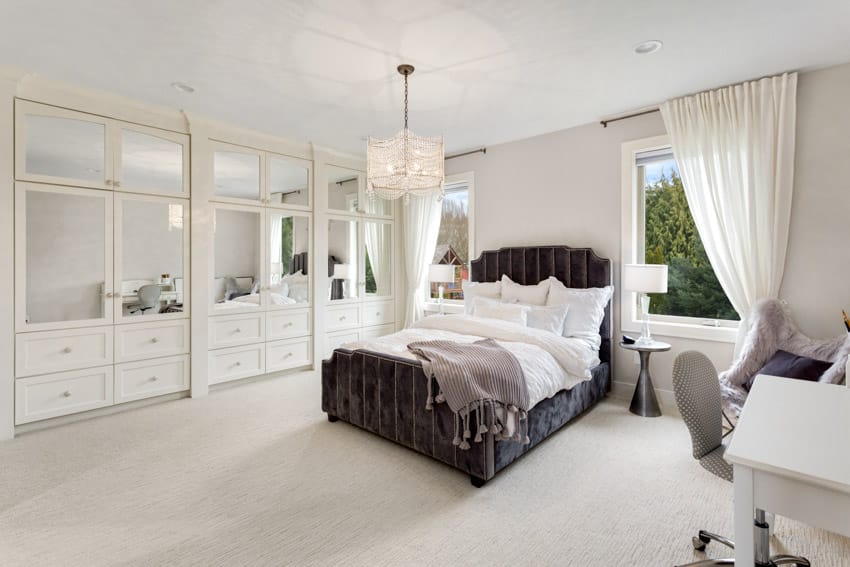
[{"x": 472, "y": 377}]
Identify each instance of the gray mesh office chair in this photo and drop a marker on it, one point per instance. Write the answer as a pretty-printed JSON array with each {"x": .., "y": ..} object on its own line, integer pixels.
[
  {"x": 697, "y": 390},
  {"x": 148, "y": 298}
]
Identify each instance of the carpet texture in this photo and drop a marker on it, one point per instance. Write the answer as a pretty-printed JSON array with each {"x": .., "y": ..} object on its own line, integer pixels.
[{"x": 255, "y": 475}]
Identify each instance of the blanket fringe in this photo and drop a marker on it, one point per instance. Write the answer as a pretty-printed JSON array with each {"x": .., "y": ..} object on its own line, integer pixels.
[{"x": 493, "y": 425}]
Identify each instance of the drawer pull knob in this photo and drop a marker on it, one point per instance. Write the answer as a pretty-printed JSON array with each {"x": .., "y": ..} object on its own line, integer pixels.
[
  {"x": 378, "y": 314},
  {"x": 66, "y": 350},
  {"x": 287, "y": 355},
  {"x": 154, "y": 378},
  {"x": 237, "y": 330},
  {"x": 67, "y": 393},
  {"x": 154, "y": 340},
  {"x": 343, "y": 318},
  {"x": 287, "y": 325},
  {"x": 237, "y": 363}
]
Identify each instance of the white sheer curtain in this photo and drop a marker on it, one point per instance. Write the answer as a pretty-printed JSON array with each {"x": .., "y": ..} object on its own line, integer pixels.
[
  {"x": 735, "y": 151},
  {"x": 276, "y": 245},
  {"x": 379, "y": 249},
  {"x": 420, "y": 228}
]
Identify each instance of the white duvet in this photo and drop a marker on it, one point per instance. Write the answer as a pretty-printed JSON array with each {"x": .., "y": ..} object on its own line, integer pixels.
[{"x": 550, "y": 362}]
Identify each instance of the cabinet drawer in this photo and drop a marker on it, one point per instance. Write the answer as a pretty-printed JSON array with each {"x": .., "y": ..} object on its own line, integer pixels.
[
  {"x": 286, "y": 324},
  {"x": 148, "y": 378},
  {"x": 52, "y": 351},
  {"x": 342, "y": 317},
  {"x": 151, "y": 340},
  {"x": 42, "y": 397},
  {"x": 375, "y": 332},
  {"x": 235, "y": 363},
  {"x": 232, "y": 330},
  {"x": 281, "y": 355},
  {"x": 378, "y": 313},
  {"x": 336, "y": 340}
]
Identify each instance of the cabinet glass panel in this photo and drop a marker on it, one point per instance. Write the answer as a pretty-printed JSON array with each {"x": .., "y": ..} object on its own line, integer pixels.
[
  {"x": 342, "y": 259},
  {"x": 151, "y": 260},
  {"x": 378, "y": 258},
  {"x": 236, "y": 175},
  {"x": 343, "y": 188},
  {"x": 151, "y": 162},
  {"x": 237, "y": 242},
  {"x": 65, "y": 256},
  {"x": 376, "y": 206},
  {"x": 289, "y": 182},
  {"x": 65, "y": 148},
  {"x": 289, "y": 245}
]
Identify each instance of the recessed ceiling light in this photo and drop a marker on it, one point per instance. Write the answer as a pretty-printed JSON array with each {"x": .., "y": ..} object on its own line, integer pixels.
[
  {"x": 647, "y": 47},
  {"x": 183, "y": 87}
]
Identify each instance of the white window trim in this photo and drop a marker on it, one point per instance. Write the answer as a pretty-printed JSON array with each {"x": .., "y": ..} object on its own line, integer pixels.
[
  {"x": 664, "y": 325},
  {"x": 450, "y": 304}
]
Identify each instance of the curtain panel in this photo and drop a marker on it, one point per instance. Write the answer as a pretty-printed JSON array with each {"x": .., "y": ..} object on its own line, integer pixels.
[{"x": 420, "y": 229}]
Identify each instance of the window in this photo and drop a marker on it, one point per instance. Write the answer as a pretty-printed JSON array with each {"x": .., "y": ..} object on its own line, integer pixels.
[
  {"x": 455, "y": 240},
  {"x": 658, "y": 228}
]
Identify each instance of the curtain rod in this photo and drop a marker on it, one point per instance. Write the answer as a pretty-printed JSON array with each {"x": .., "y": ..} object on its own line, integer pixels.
[
  {"x": 469, "y": 153},
  {"x": 625, "y": 116}
]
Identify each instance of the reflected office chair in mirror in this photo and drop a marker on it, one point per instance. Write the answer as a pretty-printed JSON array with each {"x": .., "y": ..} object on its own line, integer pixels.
[
  {"x": 697, "y": 390},
  {"x": 148, "y": 298}
]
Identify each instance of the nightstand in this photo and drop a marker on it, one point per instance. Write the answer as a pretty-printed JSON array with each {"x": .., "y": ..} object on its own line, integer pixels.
[{"x": 644, "y": 402}]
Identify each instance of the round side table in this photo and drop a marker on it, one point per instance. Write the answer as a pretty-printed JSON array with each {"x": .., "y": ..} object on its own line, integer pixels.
[{"x": 644, "y": 402}]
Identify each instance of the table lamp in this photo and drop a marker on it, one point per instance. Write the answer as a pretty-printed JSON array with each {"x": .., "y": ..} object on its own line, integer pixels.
[
  {"x": 342, "y": 272},
  {"x": 645, "y": 279},
  {"x": 441, "y": 273}
]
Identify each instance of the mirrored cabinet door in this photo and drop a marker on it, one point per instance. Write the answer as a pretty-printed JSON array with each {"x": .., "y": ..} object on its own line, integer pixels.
[
  {"x": 236, "y": 174},
  {"x": 376, "y": 206},
  {"x": 63, "y": 257},
  {"x": 151, "y": 258},
  {"x": 237, "y": 243},
  {"x": 289, "y": 181},
  {"x": 152, "y": 161},
  {"x": 377, "y": 259},
  {"x": 343, "y": 260},
  {"x": 54, "y": 145},
  {"x": 344, "y": 188},
  {"x": 289, "y": 259}
]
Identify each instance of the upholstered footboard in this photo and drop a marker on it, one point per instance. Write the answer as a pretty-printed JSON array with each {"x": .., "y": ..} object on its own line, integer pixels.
[{"x": 386, "y": 395}]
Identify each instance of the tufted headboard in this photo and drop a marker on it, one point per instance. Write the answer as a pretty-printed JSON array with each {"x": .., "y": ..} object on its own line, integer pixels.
[{"x": 529, "y": 265}]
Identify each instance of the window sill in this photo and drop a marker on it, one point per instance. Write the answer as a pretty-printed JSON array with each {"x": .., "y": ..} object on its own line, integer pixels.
[{"x": 685, "y": 331}]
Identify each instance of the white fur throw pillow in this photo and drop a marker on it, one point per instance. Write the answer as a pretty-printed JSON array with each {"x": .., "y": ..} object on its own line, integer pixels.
[
  {"x": 483, "y": 307},
  {"x": 471, "y": 290},
  {"x": 587, "y": 309},
  {"x": 513, "y": 292}
]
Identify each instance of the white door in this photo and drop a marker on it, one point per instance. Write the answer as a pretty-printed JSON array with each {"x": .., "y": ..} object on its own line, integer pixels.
[
  {"x": 289, "y": 263},
  {"x": 236, "y": 256}
]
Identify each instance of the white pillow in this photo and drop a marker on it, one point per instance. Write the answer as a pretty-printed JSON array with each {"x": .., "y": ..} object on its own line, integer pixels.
[
  {"x": 539, "y": 317},
  {"x": 471, "y": 290},
  {"x": 587, "y": 309},
  {"x": 482, "y": 307},
  {"x": 513, "y": 292}
]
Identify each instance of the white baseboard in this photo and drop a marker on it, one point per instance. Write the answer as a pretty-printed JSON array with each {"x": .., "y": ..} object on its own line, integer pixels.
[{"x": 666, "y": 398}]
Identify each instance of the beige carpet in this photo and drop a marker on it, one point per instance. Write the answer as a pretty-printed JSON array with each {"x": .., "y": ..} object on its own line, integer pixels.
[{"x": 255, "y": 475}]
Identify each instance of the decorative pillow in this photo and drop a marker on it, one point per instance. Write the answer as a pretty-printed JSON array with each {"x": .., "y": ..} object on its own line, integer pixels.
[
  {"x": 790, "y": 365},
  {"x": 482, "y": 307},
  {"x": 471, "y": 290},
  {"x": 551, "y": 318},
  {"x": 298, "y": 291},
  {"x": 232, "y": 290},
  {"x": 513, "y": 292},
  {"x": 587, "y": 309}
]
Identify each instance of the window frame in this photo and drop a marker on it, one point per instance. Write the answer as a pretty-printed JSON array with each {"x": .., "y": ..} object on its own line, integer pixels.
[
  {"x": 631, "y": 208},
  {"x": 456, "y": 305}
]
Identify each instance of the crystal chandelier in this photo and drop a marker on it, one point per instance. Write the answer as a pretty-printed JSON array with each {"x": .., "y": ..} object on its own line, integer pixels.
[{"x": 405, "y": 164}]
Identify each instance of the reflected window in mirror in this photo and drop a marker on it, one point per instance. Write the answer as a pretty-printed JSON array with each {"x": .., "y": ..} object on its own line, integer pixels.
[
  {"x": 289, "y": 182},
  {"x": 65, "y": 148},
  {"x": 289, "y": 280},
  {"x": 151, "y": 162},
  {"x": 236, "y": 282},
  {"x": 236, "y": 175},
  {"x": 343, "y": 269},
  {"x": 152, "y": 257},
  {"x": 377, "y": 206},
  {"x": 343, "y": 188},
  {"x": 378, "y": 258}
]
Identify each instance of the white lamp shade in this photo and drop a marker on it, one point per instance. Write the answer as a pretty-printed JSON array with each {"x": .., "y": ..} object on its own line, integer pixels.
[
  {"x": 645, "y": 278},
  {"x": 342, "y": 271},
  {"x": 441, "y": 273}
]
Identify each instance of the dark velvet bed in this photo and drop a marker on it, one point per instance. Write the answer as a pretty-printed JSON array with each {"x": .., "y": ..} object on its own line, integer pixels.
[{"x": 386, "y": 395}]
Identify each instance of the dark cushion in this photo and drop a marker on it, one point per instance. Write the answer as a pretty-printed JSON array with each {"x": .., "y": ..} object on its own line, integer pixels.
[{"x": 791, "y": 365}]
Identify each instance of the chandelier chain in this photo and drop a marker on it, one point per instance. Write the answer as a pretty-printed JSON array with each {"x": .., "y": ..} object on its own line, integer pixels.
[{"x": 405, "y": 101}]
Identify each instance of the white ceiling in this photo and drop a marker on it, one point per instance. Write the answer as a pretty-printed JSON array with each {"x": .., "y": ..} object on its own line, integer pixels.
[{"x": 486, "y": 71}]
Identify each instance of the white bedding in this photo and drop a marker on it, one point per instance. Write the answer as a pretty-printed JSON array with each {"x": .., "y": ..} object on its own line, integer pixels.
[{"x": 550, "y": 362}]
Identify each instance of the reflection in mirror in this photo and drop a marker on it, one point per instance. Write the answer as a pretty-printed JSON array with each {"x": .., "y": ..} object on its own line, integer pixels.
[
  {"x": 378, "y": 206},
  {"x": 236, "y": 174},
  {"x": 64, "y": 147},
  {"x": 65, "y": 251},
  {"x": 343, "y": 187},
  {"x": 150, "y": 162},
  {"x": 237, "y": 259},
  {"x": 289, "y": 182},
  {"x": 342, "y": 259},
  {"x": 151, "y": 258},
  {"x": 290, "y": 241},
  {"x": 379, "y": 250}
]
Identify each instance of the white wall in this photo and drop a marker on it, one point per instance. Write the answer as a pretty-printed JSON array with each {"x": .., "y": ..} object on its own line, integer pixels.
[{"x": 564, "y": 188}]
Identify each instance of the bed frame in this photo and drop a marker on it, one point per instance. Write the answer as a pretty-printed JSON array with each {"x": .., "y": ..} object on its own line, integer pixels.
[{"x": 386, "y": 395}]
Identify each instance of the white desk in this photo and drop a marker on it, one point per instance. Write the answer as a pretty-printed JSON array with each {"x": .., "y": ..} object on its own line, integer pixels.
[{"x": 791, "y": 456}]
